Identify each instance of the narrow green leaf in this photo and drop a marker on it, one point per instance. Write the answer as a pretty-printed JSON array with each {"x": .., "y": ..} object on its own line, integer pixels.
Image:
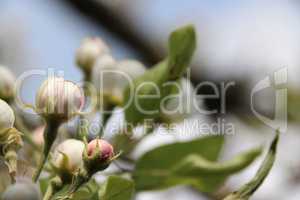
[
  {"x": 245, "y": 192},
  {"x": 117, "y": 188},
  {"x": 196, "y": 165},
  {"x": 153, "y": 170},
  {"x": 190, "y": 163}
]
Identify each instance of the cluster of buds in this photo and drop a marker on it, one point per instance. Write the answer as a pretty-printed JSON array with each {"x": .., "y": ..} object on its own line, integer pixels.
[
  {"x": 57, "y": 101},
  {"x": 73, "y": 155},
  {"x": 10, "y": 138},
  {"x": 75, "y": 162},
  {"x": 109, "y": 76}
]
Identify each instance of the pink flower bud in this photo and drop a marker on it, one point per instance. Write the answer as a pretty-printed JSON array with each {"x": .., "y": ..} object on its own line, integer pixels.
[
  {"x": 106, "y": 149},
  {"x": 7, "y": 83},
  {"x": 89, "y": 51},
  {"x": 59, "y": 99}
]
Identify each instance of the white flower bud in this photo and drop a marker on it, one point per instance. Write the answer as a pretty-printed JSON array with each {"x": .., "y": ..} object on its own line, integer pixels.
[
  {"x": 111, "y": 78},
  {"x": 72, "y": 150},
  {"x": 7, "y": 82},
  {"x": 59, "y": 99},
  {"x": 89, "y": 51},
  {"x": 133, "y": 68},
  {"x": 104, "y": 76},
  {"x": 7, "y": 117}
]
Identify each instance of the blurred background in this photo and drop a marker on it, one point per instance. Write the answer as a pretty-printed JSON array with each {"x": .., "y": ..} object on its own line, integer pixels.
[{"x": 240, "y": 41}]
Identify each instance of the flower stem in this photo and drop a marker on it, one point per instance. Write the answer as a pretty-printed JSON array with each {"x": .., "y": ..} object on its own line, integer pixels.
[
  {"x": 105, "y": 117},
  {"x": 49, "y": 193},
  {"x": 81, "y": 178},
  {"x": 50, "y": 134},
  {"x": 54, "y": 185},
  {"x": 11, "y": 162}
]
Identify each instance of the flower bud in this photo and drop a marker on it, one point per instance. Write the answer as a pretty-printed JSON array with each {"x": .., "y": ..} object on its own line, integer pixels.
[
  {"x": 7, "y": 117},
  {"x": 104, "y": 76},
  {"x": 106, "y": 151},
  {"x": 89, "y": 51},
  {"x": 98, "y": 156},
  {"x": 111, "y": 78},
  {"x": 68, "y": 156},
  {"x": 58, "y": 99},
  {"x": 132, "y": 67},
  {"x": 24, "y": 190},
  {"x": 7, "y": 82}
]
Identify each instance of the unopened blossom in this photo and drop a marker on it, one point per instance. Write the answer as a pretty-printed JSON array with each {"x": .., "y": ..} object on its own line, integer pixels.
[
  {"x": 88, "y": 52},
  {"x": 59, "y": 99},
  {"x": 102, "y": 148},
  {"x": 111, "y": 78},
  {"x": 68, "y": 155},
  {"x": 7, "y": 117}
]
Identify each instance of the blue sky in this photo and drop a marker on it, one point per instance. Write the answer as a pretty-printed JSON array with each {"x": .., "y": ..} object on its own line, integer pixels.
[{"x": 229, "y": 32}]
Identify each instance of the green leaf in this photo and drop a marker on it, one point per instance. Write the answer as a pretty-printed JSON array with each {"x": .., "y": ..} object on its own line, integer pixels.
[
  {"x": 117, "y": 188},
  {"x": 189, "y": 163},
  {"x": 211, "y": 175},
  {"x": 88, "y": 191},
  {"x": 124, "y": 143},
  {"x": 245, "y": 192},
  {"x": 153, "y": 170},
  {"x": 182, "y": 44},
  {"x": 196, "y": 165},
  {"x": 140, "y": 106},
  {"x": 156, "y": 77}
]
